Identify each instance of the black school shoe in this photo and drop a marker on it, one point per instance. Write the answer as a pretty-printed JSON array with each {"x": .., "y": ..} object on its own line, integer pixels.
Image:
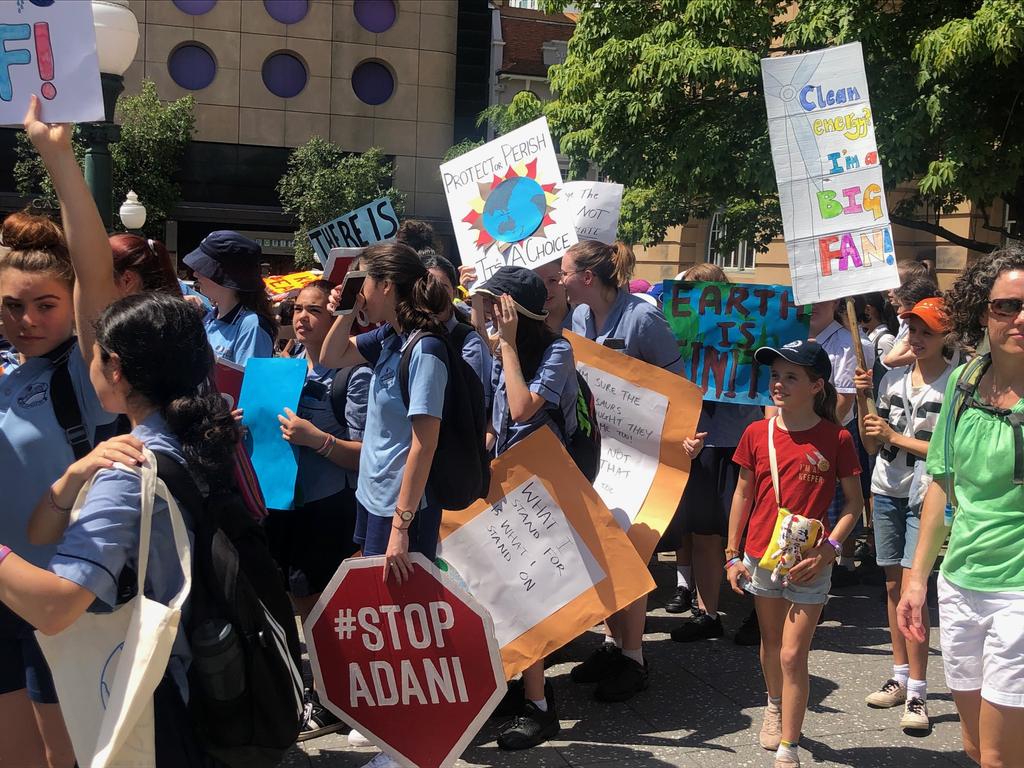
[
  {"x": 680, "y": 602},
  {"x": 599, "y": 665},
  {"x": 513, "y": 703},
  {"x": 531, "y": 728},
  {"x": 701, "y": 628},
  {"x": 627, "y": 682},
  {"x": 317, "y": 720}
]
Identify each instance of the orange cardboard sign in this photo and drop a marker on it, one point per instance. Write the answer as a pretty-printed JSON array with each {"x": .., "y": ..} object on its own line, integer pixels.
[
  {"x": 542, "y": 553},
  {"x": 279, "y": 286}
]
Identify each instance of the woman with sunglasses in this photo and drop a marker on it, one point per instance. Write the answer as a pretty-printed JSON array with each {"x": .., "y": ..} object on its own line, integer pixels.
[{"x": 976, "y": 457}]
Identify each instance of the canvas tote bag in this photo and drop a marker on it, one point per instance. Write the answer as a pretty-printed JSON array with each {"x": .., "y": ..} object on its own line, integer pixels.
[{"x": 106, "y": 666}]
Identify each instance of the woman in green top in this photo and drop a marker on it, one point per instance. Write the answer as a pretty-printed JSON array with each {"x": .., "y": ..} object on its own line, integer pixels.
[{"x": 977, "y": 452}]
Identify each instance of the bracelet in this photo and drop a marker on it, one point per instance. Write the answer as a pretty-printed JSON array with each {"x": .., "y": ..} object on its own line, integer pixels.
[
  {"x": 733, "y": 562},
  {"x": 4, "y": 552},
  {"x": 56, "y": 506},
  {"x": 836, "y": 545},
  {"x": 324, "y": 447},
  {"x": 731, "y": 554}
]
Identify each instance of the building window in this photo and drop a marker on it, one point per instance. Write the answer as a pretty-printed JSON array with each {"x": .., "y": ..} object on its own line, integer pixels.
[
  {"x": 375, "y": 15},
  {"x": 192, "y": 66},
  {"x": 740, "y": 258},
  {"x": 287, "y": 11},
  {"x": 284, "y": 75},
  {"x": 373, "y": 83},
  {"x": 194, "y": 7}
]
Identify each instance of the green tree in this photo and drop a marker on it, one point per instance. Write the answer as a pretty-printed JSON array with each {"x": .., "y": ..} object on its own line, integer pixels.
[
  {"x": 324, "y": 181},
  {"x": 666, "y": 96},
  {"x": 154, "y": 137},
  {"x": 524, "y": 108}
]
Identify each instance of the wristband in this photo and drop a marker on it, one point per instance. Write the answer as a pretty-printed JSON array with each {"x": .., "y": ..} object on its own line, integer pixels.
[
  {"x": 836, "y": 545},
  {"x": 731, "y": 554},
  {"x": 56, "y": 506},
  {"x": 4, "y": 552},
  {"x": 733, "y": 562}
]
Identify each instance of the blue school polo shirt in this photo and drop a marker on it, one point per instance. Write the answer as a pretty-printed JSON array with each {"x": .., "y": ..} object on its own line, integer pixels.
[
  {"x": 319, "y": 477},
  {"x": 34, "y": 450},
  {"x": 237, "y": 336},
  {"x": 477, "y": 356},
  {"x": 555, "y": 381},
  {"x": 105, "y": 538},
  {"x": 641, "y": 327},
  {"x": 388, "y": 433}
]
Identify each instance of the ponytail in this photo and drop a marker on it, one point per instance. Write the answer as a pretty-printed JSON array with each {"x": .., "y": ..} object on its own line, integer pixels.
[
  {"x": 612, "y": 264},
  {"x": 419, "y": 296},
  {"x": 826, "y": 402},
  {"x": 207, "y": 432}
]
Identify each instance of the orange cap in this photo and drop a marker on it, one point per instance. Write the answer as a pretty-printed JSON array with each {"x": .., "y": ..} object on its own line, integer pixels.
[{"x": 931, "y": 312}]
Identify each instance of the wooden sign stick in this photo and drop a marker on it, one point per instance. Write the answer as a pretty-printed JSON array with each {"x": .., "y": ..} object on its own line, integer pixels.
[{"x": 863, "y": 401}]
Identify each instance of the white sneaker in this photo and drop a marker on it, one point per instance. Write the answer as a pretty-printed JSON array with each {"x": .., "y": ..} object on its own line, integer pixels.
[
  {"x": 915, "y": 715},
  {"x": 382, "y": 761},
  {"x": 356, "y": 739},
  {"x": 891, "y": 694}
]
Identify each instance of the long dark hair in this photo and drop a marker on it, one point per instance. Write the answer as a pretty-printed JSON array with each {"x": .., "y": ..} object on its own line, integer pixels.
[
  {"x": 165, "y": 357},
  {"x": 826, "y": 402},
  {"x": 419, "y": 295},
  {"x": 149, "y": 259},
  {"x": 533, "y": 338},
  {"x": 968, "y": 298},
  {"x": 259, "y": 303},
  {"x": 883, "y": 308}
]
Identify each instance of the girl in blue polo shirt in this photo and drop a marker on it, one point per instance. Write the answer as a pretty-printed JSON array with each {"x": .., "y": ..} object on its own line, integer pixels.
[
  {"x": 227, "y": 269},
  {"x": 596, "y": 278},
  {"x": 149, "y": 362},
  {"x": 36, "y": 281}
]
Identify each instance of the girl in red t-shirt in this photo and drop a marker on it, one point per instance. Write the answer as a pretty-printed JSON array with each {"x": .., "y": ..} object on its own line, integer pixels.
[{"x": 812, "y": 454}]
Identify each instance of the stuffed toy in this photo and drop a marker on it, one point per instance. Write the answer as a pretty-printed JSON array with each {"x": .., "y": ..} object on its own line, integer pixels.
[{"x": 794, "y": 535}]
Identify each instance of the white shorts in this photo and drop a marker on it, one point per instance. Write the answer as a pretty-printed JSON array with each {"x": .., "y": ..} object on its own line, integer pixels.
[{"x": 982, "y": 637}]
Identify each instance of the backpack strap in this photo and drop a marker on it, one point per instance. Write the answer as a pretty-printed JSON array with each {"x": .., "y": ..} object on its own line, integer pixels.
[
  {"x": 459, "y": 334},
  {"x": 339, "y": 393},
  {"x": 65, "y": 402},
  {"x": 180, "y": 483},
  {"x": 406, "y": 359}
]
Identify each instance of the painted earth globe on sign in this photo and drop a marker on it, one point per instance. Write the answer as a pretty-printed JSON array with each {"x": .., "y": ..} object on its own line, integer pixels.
[{"x": 514, "y": 210}]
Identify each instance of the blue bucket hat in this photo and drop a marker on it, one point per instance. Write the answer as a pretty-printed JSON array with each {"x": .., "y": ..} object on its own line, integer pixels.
[{"x": 228, "y": 259}]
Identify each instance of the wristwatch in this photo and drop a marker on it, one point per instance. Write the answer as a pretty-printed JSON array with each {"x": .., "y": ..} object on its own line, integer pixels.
[{"x": 405, "y": 515}]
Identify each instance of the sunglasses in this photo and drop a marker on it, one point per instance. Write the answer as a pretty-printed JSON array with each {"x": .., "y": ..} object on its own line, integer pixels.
[{"x": 1006, "y": 307}]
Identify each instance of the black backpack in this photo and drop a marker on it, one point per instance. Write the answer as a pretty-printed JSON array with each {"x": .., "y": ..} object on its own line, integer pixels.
[
  {"x": 584, "y": 445},
  {"x": 245, "y": 684},
  {"x": 339, "y": 392},
  {"x": 461, "y": 470}
]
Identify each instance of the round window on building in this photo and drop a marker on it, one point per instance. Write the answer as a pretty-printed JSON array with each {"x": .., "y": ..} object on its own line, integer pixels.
[
  {"x": 375, "y": 15},
  {"x": 287, "y": 11},
  {"x": 284, "y": 75},
  {"x": 373, "y": 82},
  {"x": 192, "y": 66},
  {"x": 195, "y": 7}
]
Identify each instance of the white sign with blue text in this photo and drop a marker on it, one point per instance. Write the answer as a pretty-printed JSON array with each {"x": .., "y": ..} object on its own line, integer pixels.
[{"x": 372, "y": 223}]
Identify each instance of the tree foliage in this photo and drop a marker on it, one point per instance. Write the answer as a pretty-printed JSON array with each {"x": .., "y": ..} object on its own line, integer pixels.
[
  {"x": 666, "y": 96},
  {"x": 324, "y": 181},
  {"x": 154, "y": 137}
]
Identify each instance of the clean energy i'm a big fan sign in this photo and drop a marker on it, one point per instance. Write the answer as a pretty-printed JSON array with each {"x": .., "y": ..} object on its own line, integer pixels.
[{"x": 834, "y": 215}]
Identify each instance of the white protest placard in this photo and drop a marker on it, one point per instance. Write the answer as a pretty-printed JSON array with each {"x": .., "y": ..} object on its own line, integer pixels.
[
  {"x": 527, "y": 535},
  {"x": 48, "y": 48},
  {"x": 631, "y": 419},
  {"x": 834, "y": 214},
  {"x": 595, "y": 206},
  {"x": 369, "y": 224},
  {"x": 506, "y": 202}
]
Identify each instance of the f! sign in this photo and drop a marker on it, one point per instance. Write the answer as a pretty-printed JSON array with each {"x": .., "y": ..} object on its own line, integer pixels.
[
  {"x": 719, "y": 327},
  {"x": 48, "y": 48},
  {"x": 834, "y": 215}
]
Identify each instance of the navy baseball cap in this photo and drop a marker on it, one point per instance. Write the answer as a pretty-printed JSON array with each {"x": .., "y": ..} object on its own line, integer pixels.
[
  {"x": 809, "y": 354},
  {"x": 524, "y": 286},
  {"x": 228, "y": 259}
]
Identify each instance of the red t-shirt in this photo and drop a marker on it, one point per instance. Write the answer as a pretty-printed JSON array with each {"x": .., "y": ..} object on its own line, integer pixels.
[{"x": 810, "y": 464}]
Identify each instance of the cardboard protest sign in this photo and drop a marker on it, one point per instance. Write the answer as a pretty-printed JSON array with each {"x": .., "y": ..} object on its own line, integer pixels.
[
  {"x": 413, "y": 666},
  {"x": 372, "y": 223},
  {"x": 269, "y": 386},
  {"x": 834, "y": 213},
  {"x": 48, "y": 48},
  {"x": 339, "y": 261},
  {"x": 595, "y": 206},
  {"x": 644, "y": 412},
  {"x": 542, "y": 553},
  {"x": 719, "y": 327},
  {"x": 227, "y": 377},
  {"x": 280, "y": 287},
  {"x": 506, "y": 202}
]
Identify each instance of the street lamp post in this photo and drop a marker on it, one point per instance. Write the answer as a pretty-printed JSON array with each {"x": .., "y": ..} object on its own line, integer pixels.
[{"x": 117, "y": 38}]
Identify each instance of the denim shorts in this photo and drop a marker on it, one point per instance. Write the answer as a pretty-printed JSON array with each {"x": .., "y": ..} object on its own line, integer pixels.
[
  {"x": 373, "y": 531},
  {"x": 896, "y": 526},
  {"x": 761, "y": 585},
  {"x": 22, "y": 665}
]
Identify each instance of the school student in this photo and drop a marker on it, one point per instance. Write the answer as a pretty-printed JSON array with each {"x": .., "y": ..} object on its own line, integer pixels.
[
  {"x": 142, "y": 264},
  {"x": 241, "y": 324},
  {"x": 311, "y": 541},
  {"x": 535, "y": 386},
  {"x": 596, "y": 278},
  {"x": 909, "y": 400},
  {"x": 149, "y": 362},
  {"x": 806, "y": 451}
]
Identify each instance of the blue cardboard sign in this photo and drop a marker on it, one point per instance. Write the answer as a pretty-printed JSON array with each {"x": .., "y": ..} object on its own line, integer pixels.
[
  {"x": 270, "y": 385},
  {"x": 719, "y": 326},
  {"x": 372, "y": 223}
]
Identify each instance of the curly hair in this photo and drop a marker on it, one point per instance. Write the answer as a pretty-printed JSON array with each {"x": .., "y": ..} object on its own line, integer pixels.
[{"x": 969, "y": 296}]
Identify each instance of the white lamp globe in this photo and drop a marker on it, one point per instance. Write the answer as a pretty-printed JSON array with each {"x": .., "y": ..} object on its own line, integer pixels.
[
  {"x": 117, "y": 35},
  {"x": 133, "y": 213}
]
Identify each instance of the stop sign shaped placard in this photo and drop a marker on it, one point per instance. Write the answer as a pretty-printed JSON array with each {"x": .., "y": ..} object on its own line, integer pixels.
[{"x": 415, "y": 667}]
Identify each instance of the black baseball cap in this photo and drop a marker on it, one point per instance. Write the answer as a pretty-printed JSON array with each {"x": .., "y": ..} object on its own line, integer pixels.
[
  {"x": 228, "y": 259},
  {"x": 523, "y": 285},
  {"x": 809, "y": 354}
]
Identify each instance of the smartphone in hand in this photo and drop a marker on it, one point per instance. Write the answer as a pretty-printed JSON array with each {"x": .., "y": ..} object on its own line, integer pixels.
[{"x": 350, "y": 290}]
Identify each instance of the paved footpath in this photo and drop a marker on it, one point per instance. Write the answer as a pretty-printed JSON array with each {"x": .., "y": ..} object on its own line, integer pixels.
[{"x": 704, "y": 705}]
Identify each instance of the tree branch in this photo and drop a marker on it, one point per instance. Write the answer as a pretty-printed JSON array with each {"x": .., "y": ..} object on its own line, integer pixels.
[{"x": 945, "y": 234}]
